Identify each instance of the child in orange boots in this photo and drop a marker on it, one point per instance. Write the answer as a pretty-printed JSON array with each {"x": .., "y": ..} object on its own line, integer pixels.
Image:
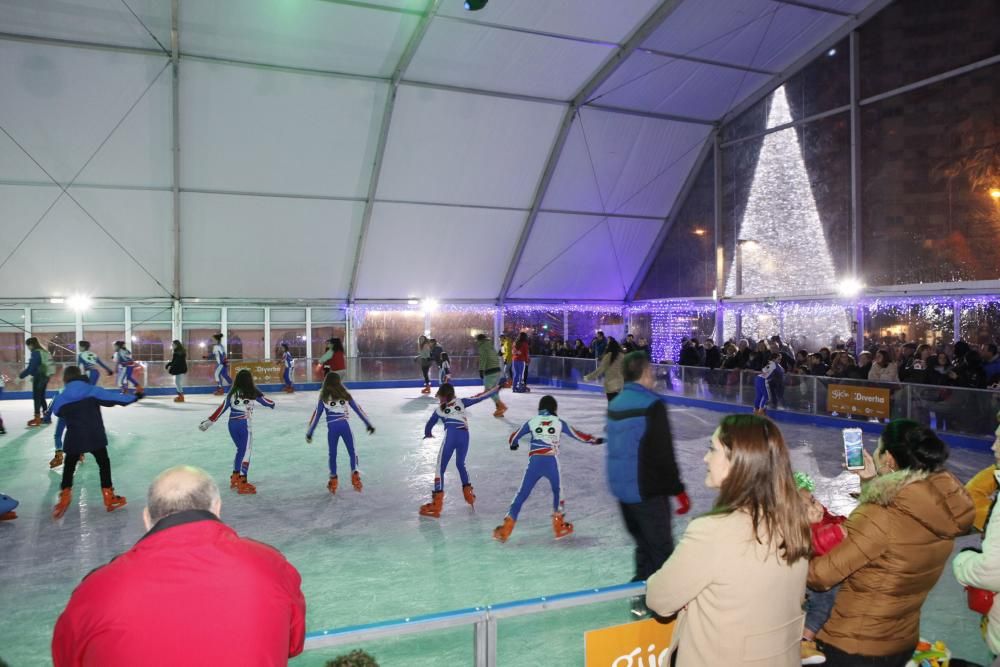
[
  {"x": 78, "y": 406},
  {"x": 545, "y": 430},
  {"x": 451, "y": 411},
  {"x": 336, "y": 403}
]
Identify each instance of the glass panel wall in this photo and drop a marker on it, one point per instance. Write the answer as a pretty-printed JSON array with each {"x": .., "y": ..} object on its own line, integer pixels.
[
  {"x": 245, "y": 333},
  {"x": 12, "y": 350},
  {"x": 455, "y": 330},
  {"x": 384, "y": 332}
]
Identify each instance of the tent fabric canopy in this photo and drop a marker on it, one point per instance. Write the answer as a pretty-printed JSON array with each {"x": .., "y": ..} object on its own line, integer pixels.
[{"x": 383, "y": 149}]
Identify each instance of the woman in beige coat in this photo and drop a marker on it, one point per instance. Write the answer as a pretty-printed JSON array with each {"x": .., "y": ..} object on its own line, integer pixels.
[
  {"x": 738, "y": 576},
  {"x": 612, "y": 368}
]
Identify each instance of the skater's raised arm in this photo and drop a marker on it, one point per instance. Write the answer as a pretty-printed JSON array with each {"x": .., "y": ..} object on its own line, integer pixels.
[
  {"x": 361, "y": 413},
  {"x": 110, "y": 398},
  {"x": 314, "y": 420},
  {"x": 580, "y": 435},
  {"x": 101, "y": 364},
  {"x": 428, "y": 428},
  {"x": 518, "y": 434},
  {"x": 481, "y": 396},
  {"x": 219, "y": 411},
  {"x": 265, "y": 401}
]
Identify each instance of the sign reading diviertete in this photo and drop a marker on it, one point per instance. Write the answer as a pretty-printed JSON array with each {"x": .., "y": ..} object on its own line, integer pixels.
[
  {"x": 871, "y": 402},
  {"x": 638, "y": 644},
  {"x": 264, "y": 372}
]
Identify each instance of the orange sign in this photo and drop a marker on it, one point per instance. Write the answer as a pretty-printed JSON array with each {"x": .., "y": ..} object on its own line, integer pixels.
[
  {"x": 855, "y": 400},
  {"x": 630, "y": 645},
  {"x": 264, "y": 372}
]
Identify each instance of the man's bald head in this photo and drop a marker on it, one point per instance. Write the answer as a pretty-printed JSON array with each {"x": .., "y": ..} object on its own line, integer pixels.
[{"x": 180, "y": 489}]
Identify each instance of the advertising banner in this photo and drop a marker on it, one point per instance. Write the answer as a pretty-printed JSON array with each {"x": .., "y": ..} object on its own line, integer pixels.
[
  {"x": 638, "y": 644},
  {"x": 872, "y": 402}
]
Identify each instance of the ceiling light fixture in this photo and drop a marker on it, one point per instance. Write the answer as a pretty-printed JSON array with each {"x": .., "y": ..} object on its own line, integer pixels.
[{"x": 475, "y": 5}]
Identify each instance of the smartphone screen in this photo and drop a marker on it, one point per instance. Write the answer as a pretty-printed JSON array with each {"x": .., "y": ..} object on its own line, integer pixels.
[{"x": 853, "y": 449}]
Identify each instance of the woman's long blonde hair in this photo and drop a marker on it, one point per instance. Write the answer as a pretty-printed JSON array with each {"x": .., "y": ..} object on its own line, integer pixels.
[{"x": 760, "y": 483}]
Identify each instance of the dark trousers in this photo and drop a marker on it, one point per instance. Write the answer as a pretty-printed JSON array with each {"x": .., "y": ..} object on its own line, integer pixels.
[
  {"x": 648, "y": 522},
  {"x": 103, "y": 464},
  {"x": 425, "y": 366},
  {"x": 38, "y": 385},
  {"x": 611, "y": 395},
  {"x": 837, "y": 658}
]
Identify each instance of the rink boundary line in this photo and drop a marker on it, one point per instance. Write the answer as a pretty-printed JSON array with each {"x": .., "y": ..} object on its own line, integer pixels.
[{"x": 484, "y": 617}]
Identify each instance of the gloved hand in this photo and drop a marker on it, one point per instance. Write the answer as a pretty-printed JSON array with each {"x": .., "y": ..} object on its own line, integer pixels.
[
  {"x": 683, "y": 503},
  {"x": 371, "y": 430},
  {"x": 599, "y": 441},
  {"x": 309, "y": 438},
  {"x": 205, "y": 425},
  {"x": 514, "y": 446}
]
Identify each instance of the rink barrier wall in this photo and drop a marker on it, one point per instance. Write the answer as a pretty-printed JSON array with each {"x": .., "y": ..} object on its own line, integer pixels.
[{"x": 482, "y": 619}]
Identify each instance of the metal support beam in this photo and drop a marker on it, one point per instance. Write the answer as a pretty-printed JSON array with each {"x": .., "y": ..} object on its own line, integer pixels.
[
  {"x": 943, "y": 76},
  {"x": 814, "y": 7},
  {"x": 651, "y": 114},
  {"x": 175, "y": 130},
  {"x": 853, "y": 23},
  {"x": 784, "y": 126},
  {"x": 390, "y": 103},
  {"x": 638, "y": 36},
  {"x": 707, "y": 61},
  {"x": 855, "y": 156},
  {"x": 668, "y": 221}
]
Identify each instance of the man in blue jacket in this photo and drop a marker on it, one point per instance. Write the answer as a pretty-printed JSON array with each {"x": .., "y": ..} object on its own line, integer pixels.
[
  {"x": 79, "y": 406},
  {"x": 642, "y": 471}
]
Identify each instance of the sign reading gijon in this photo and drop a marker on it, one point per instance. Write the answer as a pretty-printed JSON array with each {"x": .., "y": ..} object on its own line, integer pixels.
[{"x": 872, "y": 402}]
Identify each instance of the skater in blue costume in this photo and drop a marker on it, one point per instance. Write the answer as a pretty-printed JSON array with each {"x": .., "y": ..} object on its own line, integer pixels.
[
  {"x": 89, "y": 361},
  {"x": 452, "y": 411},
  {"x": 336, "y": 403},
  {"x": 545, "y": 429}
]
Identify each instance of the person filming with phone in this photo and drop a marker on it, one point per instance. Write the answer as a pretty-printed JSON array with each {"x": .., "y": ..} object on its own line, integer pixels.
[{"x": 898, "y": 541}]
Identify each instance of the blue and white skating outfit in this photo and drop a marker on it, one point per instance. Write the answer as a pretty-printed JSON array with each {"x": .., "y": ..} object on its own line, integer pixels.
[
  {"x": 221, "y": 366},
  {"x": 289, "y": 364},
  {"x": 88, "y": 362},
  {"x": 126, "y": 366},
  {"x": 337, "y": 411},
  {"x": 444, "y": 374},
  {"x": 765, "y": 385},
  {"x": 543, "y": 462},
  {"x": 456, "y": 434},
  {"x": 240, "y": 411}
]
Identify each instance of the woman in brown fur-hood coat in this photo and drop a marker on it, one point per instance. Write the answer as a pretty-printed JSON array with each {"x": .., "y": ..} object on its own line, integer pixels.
[{"x": 898, "y": 541}]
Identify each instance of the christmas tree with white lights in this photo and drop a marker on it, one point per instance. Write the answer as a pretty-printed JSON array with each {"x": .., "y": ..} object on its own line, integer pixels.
[{"x": 783, "y": 246}]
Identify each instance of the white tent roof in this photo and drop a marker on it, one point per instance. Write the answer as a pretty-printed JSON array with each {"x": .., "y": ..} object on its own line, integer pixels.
[{"x": 375, "y": 149}]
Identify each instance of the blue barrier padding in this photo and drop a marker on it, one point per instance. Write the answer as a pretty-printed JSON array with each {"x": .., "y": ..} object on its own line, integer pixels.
[
  {"x": 398, "y": 622},
  {"x": 639, "y": 587}
]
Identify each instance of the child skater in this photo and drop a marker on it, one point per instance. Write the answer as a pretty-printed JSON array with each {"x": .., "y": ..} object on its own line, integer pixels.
[
  {"x": 444, "y": 374},
  {"x": 178, "y": 367},
  {"x": 221, "y": 365},
  {"x": 126, "y": 367},
  {"x": 40, "y": 368},
  {"x": 239, "y": 402},
  {"x": 521, "y": 359},
  {"x": 288, "y": 363},
  {"x": 336, "y": 402},
  {"x": 827, "y": 532},
  {"x": 79, "y": 408},
  {"x": 451, "y": 411},
  {"x": 89, "y": 361},
  {"x": 545, "y": 429},
  {"x": 765, "y": 384}
]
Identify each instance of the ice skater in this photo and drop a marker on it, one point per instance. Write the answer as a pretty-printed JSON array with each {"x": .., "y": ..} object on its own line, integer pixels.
[
  {"x": 79, "y": 407},
  {"x": 336, "y": 402},
  {"x": 765, "y": 385},
  {"x": 451, "y": 411},
  {"x": 40, "y": 368},
  {"x": 288, "y": 366},
  {"x": 221, "y": 365},
  {"x": 178, "y": 367},
  {"x": 126, "y": 367},
  {"x": 545, "y": 429},
  {"x": 239, "y": 402},
  {"x": 89, "y": 361},
  {"x": 444, "y": 369},
  {"x": 7, "y": 505},
  {"x": 333, "y": 359},
  {"x": 521, "y": 359}
]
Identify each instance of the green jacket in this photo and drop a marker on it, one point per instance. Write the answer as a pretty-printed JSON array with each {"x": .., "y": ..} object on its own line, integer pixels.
[{"x": 488, "y": 357}]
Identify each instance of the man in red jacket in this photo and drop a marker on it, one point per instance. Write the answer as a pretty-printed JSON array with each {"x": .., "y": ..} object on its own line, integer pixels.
[{"x": 190, "y": 592}]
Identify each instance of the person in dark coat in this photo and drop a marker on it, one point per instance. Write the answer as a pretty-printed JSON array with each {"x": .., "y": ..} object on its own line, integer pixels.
[
  {"x": 79, "y": 406},
  {"x": 642, "y": 471},
  {"x": 177, "y": 366}
]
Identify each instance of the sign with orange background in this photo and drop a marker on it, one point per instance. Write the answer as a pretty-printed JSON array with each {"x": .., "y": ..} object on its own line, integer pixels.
[
  {"x": 264, "y": 372},
  {"x": 862, "y": 401},
  {"x": 639, "y": 644}
]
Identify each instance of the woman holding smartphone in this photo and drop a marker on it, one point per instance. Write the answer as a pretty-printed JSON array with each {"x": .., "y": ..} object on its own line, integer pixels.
[{"x": 898, "y": 541}]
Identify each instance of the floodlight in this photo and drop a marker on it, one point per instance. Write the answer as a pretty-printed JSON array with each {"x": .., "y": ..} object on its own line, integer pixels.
[
  {"x": 428, "y": 305},
  {"x": 79, "y": 302},
  {"x": 995, "y": 193},
  {"x": 850, "y": 287}
]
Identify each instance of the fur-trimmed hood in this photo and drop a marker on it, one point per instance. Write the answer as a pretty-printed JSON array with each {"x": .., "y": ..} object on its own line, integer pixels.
[{"x": 938, "y": 501}]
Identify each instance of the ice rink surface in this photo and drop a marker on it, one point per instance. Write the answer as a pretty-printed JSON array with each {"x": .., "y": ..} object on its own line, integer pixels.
[{"x": 368, "y": 556}]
